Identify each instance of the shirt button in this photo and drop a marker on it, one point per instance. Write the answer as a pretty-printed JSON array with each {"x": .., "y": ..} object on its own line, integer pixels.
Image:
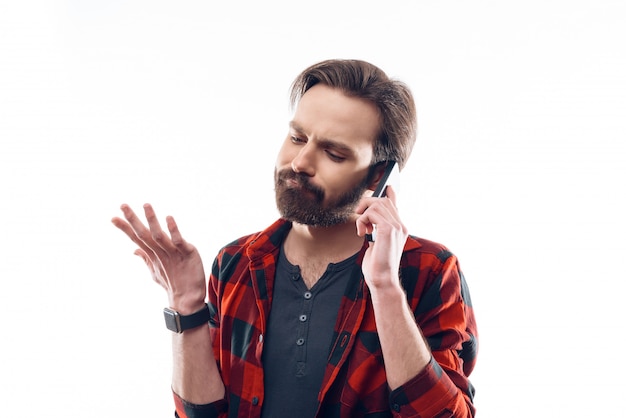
[
  {"x": 396, "y": 407},
  {"x": 295, "y": 277},
  {"x": 302, "y": 318},
  {"x": 300, "y": 341},
  {"x": 307, "y": 295},
  {"x": 255, "y": 401}
]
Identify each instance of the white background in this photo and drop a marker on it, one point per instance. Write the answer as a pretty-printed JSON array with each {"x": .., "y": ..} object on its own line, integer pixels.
[{"x": 518, "y": 169}]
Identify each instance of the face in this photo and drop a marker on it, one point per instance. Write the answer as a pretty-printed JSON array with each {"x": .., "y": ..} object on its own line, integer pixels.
[{"x": 323, "y": 167}]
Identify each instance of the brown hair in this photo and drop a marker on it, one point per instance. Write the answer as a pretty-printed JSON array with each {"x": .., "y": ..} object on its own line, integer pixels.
[{"x": 393, "y": 99}]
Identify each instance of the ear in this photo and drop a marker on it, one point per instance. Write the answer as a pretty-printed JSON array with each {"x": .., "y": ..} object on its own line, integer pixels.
[{"x": 379, "y": 170}]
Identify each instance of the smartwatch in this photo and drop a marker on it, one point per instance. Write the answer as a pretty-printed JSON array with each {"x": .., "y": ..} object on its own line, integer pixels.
[{"x": 178, "y": 323}]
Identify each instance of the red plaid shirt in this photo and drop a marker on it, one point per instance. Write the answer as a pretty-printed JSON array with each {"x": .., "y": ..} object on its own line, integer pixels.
[{"x": 354, "y": 385}]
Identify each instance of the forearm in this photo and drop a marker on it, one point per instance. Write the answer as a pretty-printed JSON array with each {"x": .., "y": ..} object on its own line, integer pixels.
[
  {"x": 195, "y": 376},
  {"x": 404, "y": 349}
]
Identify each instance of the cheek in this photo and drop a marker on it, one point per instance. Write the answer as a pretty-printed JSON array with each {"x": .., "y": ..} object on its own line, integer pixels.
[
  {"x": 354, "y": 176},
  {"x": 342, "y": 183}
]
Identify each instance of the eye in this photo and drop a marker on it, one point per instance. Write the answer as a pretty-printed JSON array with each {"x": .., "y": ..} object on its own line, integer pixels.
[
  {"x": 297, "y": 140},
  {"x": 335, "y": 157}
]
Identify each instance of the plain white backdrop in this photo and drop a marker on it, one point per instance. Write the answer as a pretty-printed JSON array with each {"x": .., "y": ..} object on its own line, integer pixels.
[{"x": 519, "y": 169}]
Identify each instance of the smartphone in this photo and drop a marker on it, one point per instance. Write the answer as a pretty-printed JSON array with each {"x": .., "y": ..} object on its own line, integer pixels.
[{"x": 390, "y": 176}]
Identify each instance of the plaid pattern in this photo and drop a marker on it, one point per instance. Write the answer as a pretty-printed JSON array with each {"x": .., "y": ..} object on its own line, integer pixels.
[{"x": 354, "y": 385}]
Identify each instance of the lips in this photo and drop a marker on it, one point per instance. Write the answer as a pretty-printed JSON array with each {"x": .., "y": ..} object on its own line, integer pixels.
[
  {"x": 291, "y": 180},
  {"x": 293, "y": 183}
]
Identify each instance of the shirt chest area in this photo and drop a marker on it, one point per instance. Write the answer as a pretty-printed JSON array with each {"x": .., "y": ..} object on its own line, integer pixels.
[
  {"x": 302, "y": 320},
  {"x": 299, "y": 336}
]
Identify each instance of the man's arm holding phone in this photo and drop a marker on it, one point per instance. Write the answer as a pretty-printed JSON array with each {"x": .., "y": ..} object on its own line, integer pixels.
[
  {"x": 409, "y": 364},
  {"x": 405, "y": 351}
]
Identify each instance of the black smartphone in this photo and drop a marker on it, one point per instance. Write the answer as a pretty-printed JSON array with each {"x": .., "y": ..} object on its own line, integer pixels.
[{"x": 390, "y": 176}]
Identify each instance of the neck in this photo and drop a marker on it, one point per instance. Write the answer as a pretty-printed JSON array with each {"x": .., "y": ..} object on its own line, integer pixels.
[{"x": 336, "y": 242}]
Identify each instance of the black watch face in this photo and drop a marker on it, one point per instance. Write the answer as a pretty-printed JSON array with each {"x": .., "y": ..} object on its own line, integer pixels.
[{"x": 171, "y": 320}]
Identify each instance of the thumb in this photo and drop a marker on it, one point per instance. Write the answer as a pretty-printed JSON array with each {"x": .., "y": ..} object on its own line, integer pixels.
[{"x": 142, "y": 254}]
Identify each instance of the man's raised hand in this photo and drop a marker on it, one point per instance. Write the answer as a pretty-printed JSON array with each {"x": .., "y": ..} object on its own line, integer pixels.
[{"x": 174, "y": 263}]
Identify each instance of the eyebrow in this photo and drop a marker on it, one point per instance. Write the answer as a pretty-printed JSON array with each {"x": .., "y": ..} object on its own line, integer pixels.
[{"x": 324, "y": 142}]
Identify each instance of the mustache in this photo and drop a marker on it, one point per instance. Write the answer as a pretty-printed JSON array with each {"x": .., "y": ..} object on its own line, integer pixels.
[{"x": 302, "y": 179}]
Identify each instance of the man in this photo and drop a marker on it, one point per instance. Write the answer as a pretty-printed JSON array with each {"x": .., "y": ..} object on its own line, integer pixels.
[{"x": 309, "y": 318}]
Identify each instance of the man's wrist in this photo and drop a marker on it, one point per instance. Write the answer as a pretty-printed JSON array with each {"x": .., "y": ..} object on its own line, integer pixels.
[
  {"x": 176, "y": 322},
  {"x": 187, "y": 305},
  {"x": 387, "y": 295}
]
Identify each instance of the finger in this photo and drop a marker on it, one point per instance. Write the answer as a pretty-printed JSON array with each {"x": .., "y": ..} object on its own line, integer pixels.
[
  {"x": 177, "y": 238},
  {"x": 391, "y": 194},
  {"x": 363, "y": 227},
  {"x": 367, "y": 201},
  {"x": 381, "y": 213},
  {"x": 387, "y": 206},
  {"x": 157, "y": 233},
  {"x": 369, "y": 216},
  {"x": 157, "y": 276},
  {"x": 127, "y": 229},
  {"x": 123, "y": 226},
  {"x": 144, "y": 256},
  {"x": 143, "y": 234},
  {"x": 136, "y": 231},
  {"x": 364, "y": 204}
]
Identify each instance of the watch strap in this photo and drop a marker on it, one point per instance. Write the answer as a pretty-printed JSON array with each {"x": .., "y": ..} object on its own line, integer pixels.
[{"x": 178, "y": 323}]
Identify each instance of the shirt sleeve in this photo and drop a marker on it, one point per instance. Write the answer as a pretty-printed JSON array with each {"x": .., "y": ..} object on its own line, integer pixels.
[
  {"x": 186, "y": 409},
  {"x": 430, "y": 394},
  {"x": 445, "y": 316}
]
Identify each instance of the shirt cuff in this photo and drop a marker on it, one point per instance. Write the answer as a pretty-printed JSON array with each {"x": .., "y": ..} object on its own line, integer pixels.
[
  {"x": 427, "y": 394},
  {"x": 186, "y": 409}
]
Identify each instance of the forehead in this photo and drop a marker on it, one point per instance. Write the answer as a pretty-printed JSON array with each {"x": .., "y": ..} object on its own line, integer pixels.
[{"x": 328, "y": 113}]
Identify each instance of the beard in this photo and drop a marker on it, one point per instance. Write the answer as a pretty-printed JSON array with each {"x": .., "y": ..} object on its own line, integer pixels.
[{"x": 305, "y": 204}]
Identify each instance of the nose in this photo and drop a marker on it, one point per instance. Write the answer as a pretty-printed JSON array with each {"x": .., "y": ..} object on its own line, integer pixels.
[{"x": 304, "y": 161}]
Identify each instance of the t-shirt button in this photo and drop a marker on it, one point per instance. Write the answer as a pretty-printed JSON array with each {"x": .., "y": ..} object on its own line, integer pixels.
[
  {"x": 307, "y": 295},
  {"x": 396, "y": 407},
  {"x": 255, "y": 401},
  {"x": 300, "y": 341}
]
